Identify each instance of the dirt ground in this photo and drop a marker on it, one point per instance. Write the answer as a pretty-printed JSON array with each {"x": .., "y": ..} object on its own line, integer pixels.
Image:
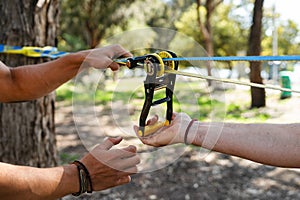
[{"x": 190, "y": 176}]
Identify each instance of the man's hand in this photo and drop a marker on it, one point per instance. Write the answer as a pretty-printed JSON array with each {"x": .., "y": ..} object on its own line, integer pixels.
[
  {"x": 167, "y": 135},
  {"x": 111, "y": 167},
  {"x": 102, "y": 58},
  {"x": 33, "y": 81}
]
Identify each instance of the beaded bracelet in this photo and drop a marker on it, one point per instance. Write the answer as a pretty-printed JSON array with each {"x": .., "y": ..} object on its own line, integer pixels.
[
  {"x": 187, "y": 131},
  {"x": 85, "y": 182}
]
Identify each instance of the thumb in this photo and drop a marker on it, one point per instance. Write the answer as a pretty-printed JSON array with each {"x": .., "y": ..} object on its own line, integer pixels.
[
  {"x": 153, "y": 120},
  {"x": 110, "y": 142},
  {"x": 136, "y": 129}
]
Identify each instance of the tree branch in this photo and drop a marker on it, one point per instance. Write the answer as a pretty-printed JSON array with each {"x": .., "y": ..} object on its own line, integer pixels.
[
  {"x": 203, "y": 29},
  {"x": 216, "y": 3}
]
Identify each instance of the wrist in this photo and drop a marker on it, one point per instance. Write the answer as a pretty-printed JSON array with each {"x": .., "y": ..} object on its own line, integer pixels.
[
  {"x": 85, "y": 182},
  {"x": 53, "y": 182},
  {"x": 75, "y": 59},
  {"x": 195, "y": 134},
  {"x": 190, "y": 132},
  {"x": 70, "y": 177}
]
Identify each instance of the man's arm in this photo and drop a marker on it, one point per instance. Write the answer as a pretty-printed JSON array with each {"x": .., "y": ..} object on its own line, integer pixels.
[
  {"x": 34, "y": 81},
  {"x": 107, "y": 168},
  {"x": 20, "y": 182},
  {"x": 272, "y": 144}
]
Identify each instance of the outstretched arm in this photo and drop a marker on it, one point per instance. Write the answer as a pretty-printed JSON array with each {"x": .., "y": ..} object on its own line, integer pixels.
[
  {"x": 272, "y": 144},
  {"x": 33, "y": 81},
  {"x": 107, "y": 168}
]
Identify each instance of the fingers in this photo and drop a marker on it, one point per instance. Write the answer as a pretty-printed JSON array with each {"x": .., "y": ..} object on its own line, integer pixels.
[
  {"x": 101, "y": 58},
  {"x": 131, "y": 170},
  {"x": 153, "y": 120},
  {"x": 123, "y": 180},
  {"x": 144, "y": 140},
  {"x": 110, "y": 142},
  {"x": 174, "y": 116},
  {"x": 114, "y": 66},
  {"x": 148, "y": 140},
  {"x": 124, "y": 153},
  {"x": 150, "y": 129},
  {"x": 157, "y": 134},
  {"x": 152, "y": 126},
  {"x": 130, "y": 149},
  {"x": 115, "y": 140},
  {"x": 129, "y": 164},
  {"x": 136, "y": 130},
  {"x": 151, "y": 141},
  {"x": 119, "y": 51},
  {"x": 111, "y": 167}
]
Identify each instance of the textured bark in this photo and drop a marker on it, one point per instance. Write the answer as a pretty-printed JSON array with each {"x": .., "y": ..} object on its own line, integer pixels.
[
  {"x": 258, "y": 96},
  {"x": 27, "y": 135}
]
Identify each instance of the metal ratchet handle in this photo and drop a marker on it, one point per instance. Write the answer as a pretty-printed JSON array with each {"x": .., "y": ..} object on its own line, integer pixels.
[{"x": 157, "y": 79}]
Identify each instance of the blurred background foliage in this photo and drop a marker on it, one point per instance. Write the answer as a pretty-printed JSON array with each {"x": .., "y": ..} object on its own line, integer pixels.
[
  {"x": 89, "y": 23},
  {"x": 86, "y": 24}
]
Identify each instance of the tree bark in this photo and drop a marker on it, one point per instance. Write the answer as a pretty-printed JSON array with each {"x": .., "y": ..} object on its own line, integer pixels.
[
  {"x": 206, "y": 29},
  {"x": 258, "y": 98},
  {"x": 27, "y": 135}
]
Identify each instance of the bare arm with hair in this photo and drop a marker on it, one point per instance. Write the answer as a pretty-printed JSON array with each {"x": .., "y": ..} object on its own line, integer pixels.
[
  {"x": 34, "y": 81},
  {"x": 271, "y": 144},
  {"x": 107, "y": 167}
]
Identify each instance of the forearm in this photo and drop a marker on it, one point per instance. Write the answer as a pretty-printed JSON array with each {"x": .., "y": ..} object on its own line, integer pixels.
[
  {"x": 271, "y": 144},
  {"x": 18, "y": 182},
  {"x": 34, "y": 81}
]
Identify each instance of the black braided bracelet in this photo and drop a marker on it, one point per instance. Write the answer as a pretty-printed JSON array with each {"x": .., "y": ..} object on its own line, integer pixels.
[{"x": 84, "y": 179}]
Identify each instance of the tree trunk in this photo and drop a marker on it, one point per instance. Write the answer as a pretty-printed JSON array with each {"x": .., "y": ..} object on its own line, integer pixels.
[
  {"x": 27, "y": 134},
  {"x": 206, "y": 29},
  {"x": 257, "y": 94}
]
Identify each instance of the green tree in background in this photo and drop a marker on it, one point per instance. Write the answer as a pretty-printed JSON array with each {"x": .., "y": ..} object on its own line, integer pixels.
[
  {"x": 164, "y": 15},
  {"x": 85, "y": 23},
  {"x": 229, "y": 35},
  {"x": 222, "y": 28},
  {"x": 288, "y": 41}
]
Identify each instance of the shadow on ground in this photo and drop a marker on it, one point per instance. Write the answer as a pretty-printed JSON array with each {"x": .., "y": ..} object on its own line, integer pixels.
[{"x": 216, "y": 176}]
